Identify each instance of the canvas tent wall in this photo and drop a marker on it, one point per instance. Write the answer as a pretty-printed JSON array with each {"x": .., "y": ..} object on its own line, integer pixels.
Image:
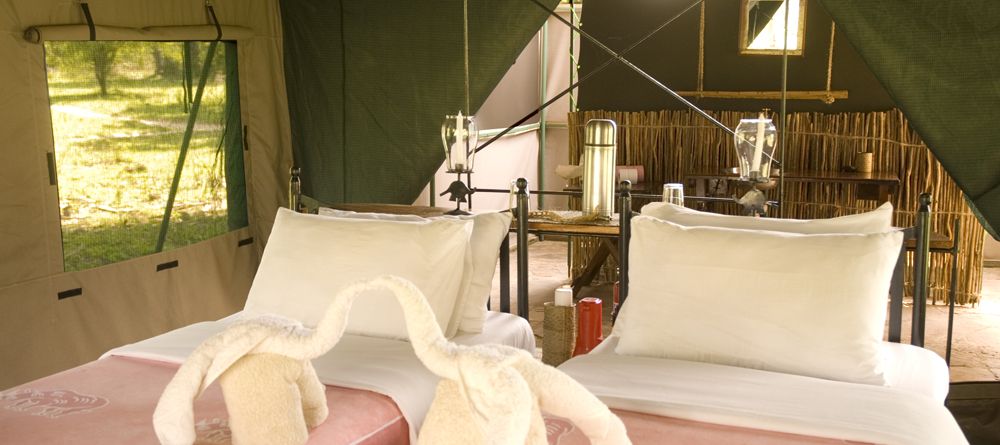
[
  {"x": 541, "y": 71},
  {"x": 370, "y": 82},
  {"x": 938, "y": 62},
  {"x": 129, "y": 300}
]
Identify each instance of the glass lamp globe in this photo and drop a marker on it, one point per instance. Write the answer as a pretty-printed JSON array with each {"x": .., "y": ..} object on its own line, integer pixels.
[
  {"x": 755, "y": 141},
  {"x": 460, "y": 138}
]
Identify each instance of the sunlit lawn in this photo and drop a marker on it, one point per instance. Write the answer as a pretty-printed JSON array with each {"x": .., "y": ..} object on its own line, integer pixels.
[{"x": 116, "y": 157}]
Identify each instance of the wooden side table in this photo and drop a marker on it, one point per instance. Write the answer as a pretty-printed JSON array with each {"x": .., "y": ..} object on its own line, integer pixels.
[{"x": 879, "y": 186}]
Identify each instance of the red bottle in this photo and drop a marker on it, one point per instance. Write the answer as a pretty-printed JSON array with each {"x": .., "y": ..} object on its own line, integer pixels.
[{"x": 590, "y": 318}]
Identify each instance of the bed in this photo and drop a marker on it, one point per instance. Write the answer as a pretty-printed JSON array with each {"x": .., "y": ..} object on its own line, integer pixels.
[
  {"x": 374, "y": 385},
  {"x": 377, "y": 390},
  {"x": 716, "y": 343}
]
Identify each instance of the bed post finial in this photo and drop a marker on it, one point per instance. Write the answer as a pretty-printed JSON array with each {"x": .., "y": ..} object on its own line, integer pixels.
[
  {"x": 522, "y": 247},
  {"x": 921, "y": 269},
  {"x": 295, "y": 189}
]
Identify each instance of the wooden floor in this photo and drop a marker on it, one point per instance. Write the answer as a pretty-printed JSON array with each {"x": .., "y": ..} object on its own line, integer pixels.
[{"x": 975, "y": 349}]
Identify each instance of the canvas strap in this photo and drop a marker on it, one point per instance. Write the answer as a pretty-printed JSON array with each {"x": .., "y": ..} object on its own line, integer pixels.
[{"x": 90, "y": 20}]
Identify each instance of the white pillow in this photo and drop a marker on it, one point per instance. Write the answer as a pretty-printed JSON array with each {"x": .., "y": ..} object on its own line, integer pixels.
[
  {"x": 875, "y": 221},
  {"x": 488, "y": 232},
  {"x": 309, "y": 258},
  {"x": 810, "y": 305}
]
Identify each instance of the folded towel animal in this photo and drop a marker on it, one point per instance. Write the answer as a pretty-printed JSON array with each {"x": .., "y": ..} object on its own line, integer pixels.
[{"x": 489, "y": 394}]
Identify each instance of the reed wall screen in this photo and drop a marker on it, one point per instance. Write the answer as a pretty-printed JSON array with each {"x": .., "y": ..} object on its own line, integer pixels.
[{"x": 671, "y": 145}]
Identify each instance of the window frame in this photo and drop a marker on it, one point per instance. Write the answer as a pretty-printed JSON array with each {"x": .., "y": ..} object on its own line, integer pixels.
[
  {"x": 743, "y": 42},
  {"x": 226, "y": 47}
]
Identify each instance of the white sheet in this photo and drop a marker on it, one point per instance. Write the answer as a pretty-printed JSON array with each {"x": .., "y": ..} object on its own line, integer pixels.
[
  {"x": 907, "y": 367},
  {"x": 765, "y": 400},
  {"x": 916, "y": 369},
  {"x": 385, "y": 366}
]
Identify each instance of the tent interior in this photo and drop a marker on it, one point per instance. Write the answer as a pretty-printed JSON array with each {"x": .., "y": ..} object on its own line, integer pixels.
[{"x": 150, "y": 143}]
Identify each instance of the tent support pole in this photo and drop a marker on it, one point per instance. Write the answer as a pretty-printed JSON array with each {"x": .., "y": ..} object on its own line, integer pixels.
[
  {"x": 433, "y": 191},
  {"x": 543, "y": 44},
  {"x": 185, "y": 144}
]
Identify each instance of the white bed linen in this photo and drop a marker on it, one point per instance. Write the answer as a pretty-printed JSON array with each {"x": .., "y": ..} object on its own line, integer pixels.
[
  {"x": 765, "y": 400},
  {"x": 915, "y": 369},
  {"x": 382, "y": 365},
  {"x": 907, "y": 367}
]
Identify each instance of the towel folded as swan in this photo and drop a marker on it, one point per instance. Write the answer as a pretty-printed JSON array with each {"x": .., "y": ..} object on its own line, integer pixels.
[{"x": 489, "y": 394}]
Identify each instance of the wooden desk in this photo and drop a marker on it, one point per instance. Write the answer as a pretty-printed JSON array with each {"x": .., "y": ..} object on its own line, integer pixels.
[
  {"x": 939, "y": 243},
  {"x": 875, "y": 185},
  {"x": 392, "y": 209},
  {"x": 639, "y": 187},
  {"x": 562, "y": 223}
]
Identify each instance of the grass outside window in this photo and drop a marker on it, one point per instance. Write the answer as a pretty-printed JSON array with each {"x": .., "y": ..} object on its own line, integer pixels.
[{"x": 117, "y": 141}]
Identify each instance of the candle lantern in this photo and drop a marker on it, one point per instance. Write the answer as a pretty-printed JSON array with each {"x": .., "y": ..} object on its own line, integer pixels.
[
  {"x": 755, "y": 141},
  {"x": 460, "y": 137}
]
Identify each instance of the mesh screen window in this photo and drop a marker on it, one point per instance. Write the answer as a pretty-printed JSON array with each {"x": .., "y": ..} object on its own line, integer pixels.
[{"x": 126, "y": 119}]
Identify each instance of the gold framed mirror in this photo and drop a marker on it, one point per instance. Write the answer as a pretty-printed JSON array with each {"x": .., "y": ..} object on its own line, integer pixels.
[{"x": 762, "y": 26}]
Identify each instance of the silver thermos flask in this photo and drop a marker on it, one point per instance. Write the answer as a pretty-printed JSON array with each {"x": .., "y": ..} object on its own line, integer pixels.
[{"x": 599, "y": 168}]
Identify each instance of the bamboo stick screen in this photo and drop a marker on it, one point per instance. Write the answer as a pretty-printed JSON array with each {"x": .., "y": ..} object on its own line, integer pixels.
[{"x": 672, "y": 144}]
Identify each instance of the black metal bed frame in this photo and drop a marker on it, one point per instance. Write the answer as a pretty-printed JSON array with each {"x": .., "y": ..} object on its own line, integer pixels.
[{"x": 919, "y": 232}]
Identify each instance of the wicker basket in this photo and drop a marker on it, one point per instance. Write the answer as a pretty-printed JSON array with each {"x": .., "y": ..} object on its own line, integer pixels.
[{"x": 559, "y": 337}]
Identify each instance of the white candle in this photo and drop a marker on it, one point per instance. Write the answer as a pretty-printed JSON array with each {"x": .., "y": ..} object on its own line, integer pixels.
[
  {"x": 758, "y": 149},
  {"x": 564, "y": 296},
  {"x": 459, "y": 158}
]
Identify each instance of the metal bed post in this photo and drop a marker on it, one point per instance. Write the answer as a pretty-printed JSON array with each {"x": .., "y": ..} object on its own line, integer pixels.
[
  {"x": 505, "y": 274},
  {"x": 295, "y": 190},
  {"x": 624, "y": 234},
  {"x": 956, "y": 233},
  {"x": 522, "y": 247},
  {"x": 896, "y": 290},
  {"x": 921, "y": 269}
]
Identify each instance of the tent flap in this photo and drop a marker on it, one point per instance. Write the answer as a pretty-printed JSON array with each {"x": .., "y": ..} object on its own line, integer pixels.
[
  {"x": 370, "y": 82},
  {"x": 938, "y": 62}
]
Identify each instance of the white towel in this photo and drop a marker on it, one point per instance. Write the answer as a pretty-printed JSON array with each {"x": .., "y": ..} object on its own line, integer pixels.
[{"x": 498, "y": 388}]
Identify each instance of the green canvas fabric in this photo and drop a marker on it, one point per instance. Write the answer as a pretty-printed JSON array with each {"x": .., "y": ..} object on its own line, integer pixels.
[
  {"x": 236, "y": 184},
  {"x": 314, "y": 79},
  {"x": 370, "y": 82},
  {"x": 938, "y": 60}
]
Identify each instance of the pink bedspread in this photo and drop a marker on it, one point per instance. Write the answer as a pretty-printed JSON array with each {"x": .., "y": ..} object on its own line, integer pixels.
[
  {"x": 111, "y": 402},
  {"x": 649, "y": 429}
]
